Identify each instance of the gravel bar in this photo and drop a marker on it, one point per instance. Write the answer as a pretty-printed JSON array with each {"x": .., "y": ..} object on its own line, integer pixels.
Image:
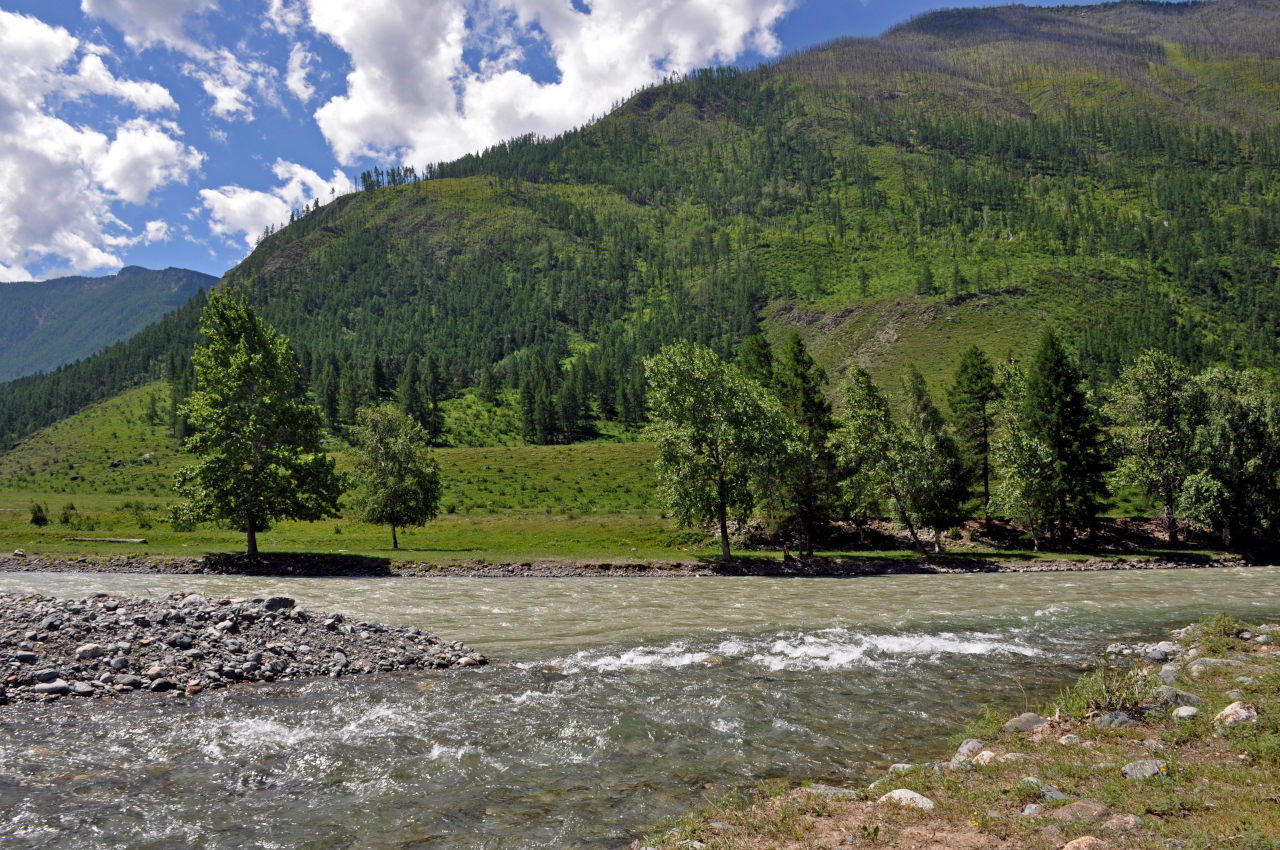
[{"x": 109, "y": 646}]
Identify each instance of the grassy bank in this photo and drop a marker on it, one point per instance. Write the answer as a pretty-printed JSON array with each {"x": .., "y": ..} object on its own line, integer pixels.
[{"x": 1215, "y": 786}]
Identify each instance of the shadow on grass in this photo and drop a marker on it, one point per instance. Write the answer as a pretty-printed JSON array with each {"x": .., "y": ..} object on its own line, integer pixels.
[{"x": 296, "y": 564}]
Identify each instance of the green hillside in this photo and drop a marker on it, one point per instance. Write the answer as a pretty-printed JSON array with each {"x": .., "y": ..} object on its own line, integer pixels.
[
  {"x": 45, "y": 325},
  {"x": 971, "y": 176}
]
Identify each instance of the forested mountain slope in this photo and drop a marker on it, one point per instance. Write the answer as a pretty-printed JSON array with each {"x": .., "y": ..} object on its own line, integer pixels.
[
  {"x": 44, "y": 325},
  {"x": 1113, "y": 171}
]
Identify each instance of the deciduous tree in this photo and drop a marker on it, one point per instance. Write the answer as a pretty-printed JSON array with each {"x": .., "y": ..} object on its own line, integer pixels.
[
  {"x": 718, "y": 434},
  {"x": 400, "y": 481},
  {"x": 255, "y": 435}
]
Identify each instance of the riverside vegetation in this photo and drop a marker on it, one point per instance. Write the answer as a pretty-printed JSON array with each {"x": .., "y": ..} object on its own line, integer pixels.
[{"x": 1161, "y": 745}]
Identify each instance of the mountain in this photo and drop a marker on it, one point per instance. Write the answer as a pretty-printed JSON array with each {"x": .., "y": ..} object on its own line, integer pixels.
[
  {"x": 45, "y": 325},
  {"x": 969, "y": 177}
]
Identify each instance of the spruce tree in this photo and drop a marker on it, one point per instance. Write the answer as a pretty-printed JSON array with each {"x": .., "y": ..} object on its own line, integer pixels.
[
  {"x": 808, "y": 475},
  {"x": 1058, "y": 412},
  {"x": 972, "y": 397}
]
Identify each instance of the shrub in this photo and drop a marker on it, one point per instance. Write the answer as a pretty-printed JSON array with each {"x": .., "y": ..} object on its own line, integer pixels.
[{"x": 39, "y": 515}]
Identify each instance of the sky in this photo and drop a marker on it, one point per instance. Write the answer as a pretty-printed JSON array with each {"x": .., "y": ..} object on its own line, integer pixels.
[{"x": 173, "y": 132}]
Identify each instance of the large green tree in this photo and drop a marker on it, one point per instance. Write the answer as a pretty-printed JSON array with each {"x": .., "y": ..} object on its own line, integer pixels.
[
  {"x": 400, "y": 481},
  {"x": 808, "y": 474},
  {"x": 972, "y": 397},
  {"x": 1057, "y": 411},
  {"x": 1157, "y": 406},
  {"x": 718, "y": 436},
  {"x": 255, "y": 434},
  {"x": 1237, "y": 446},
  {"x": 914, "y": 464}
]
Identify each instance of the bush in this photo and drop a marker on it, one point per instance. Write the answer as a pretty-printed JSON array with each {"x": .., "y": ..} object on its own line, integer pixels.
[
  {"x": 39, "y": 515},
  {"x": 1106, "y": 690}
]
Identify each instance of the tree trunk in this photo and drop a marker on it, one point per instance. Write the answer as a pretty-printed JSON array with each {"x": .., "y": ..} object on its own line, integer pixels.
[
  {"x": 724, "y": 533},
  {"x": 253, "y": 536},
  {"x": 1170, "y": 524},
  {"x": 395, "y": 544},
  {"x": 986, "y": 474}
]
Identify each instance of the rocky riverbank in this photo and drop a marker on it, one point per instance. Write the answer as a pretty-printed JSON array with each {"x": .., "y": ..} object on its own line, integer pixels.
[
  {"x": 353, "y": 566},
  {"x": 111, "y": 646},
  {"x": 1171, "y": 744}
]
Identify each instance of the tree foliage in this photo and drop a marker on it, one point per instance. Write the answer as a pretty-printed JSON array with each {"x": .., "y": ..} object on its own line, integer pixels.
[
  {"x": 1157, "y": 407},
  {"x": 399, "y": 480},
  {"x": 718, "y": 436},
  {"x": 808, "y": 474},
  {"x": 255, "y": 434}
]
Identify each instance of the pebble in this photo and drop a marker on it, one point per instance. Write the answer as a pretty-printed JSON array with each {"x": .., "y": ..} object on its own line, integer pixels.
[
  {"x": 1237, "y": 712},
  {"x": 1169, "y": 697},
  {"x": 1185, "y": 712},
  {"x": 1046, "y": 791},
  {"x": 1089, "y": 811},
  {"x": 1114, "y": 720},
  {"x": 908, "y": 798},
  {"x": 1144, "y": 769},
  {"x": 1025, "y": 722},
  {"x": 186, "y": 643},
  {"x": 967, "y": 750}
]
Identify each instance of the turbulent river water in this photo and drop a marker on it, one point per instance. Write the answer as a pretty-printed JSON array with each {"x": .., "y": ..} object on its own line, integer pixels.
[{"x": 614, "y": 703}]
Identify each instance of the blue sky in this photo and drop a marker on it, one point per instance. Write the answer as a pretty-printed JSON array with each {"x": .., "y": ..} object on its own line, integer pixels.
[{"x": 172, "y": 132}]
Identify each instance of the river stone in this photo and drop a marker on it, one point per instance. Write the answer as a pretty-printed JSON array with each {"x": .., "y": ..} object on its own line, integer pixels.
[
  {"x": 1235, "y": 694},
  {"x": 1264, "y": 639},
  {"x": 908, "y": 798},
  {"x": 1144, "y": 769},
  {"x": 193, "y": 600},
  {"x": 1169, "y": 697},
  {"x": 1086, "y": 842},
  {"x": 1031, "y": 810},
  {"x": 46, "y": 675},
  {"x": 278, "y": 603},
  {"x": 155, "y": 672},
  {"x": 161, "y": 685},
  {"x": 26, "y": 657},
  {"x": 128, "y": 681},
  {"x": 82, "y": 689},
  {"x": 1185, "y": 712},
  {"x": 1237, "y": 712},
  {"x": 984, "y": 758},
  {"x": 1024, "y": 722},
  {"x": 1046, "y": 791},
  {"x": 967, "y": 750},
  {"x": 1089, "y": 811},
  {"x": 58, "y": 687},
  {"x": 1123, "y": 822},
  {"x": 1169, "y": 673},
  {"x": 1114, "y": 720},
  {"x": 90, "y": 650}
]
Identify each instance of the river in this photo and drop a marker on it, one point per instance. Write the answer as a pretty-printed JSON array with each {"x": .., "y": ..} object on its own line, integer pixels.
[{"x": 614, "y": 704}]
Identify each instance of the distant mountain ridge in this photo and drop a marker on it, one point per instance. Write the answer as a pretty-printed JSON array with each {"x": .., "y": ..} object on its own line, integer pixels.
[
  {"x": 970, "y": 177},
  {"x": 48, "y": 324}
]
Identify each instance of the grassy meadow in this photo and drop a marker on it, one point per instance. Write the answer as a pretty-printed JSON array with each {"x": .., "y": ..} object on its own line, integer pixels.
[{"x": 108, "y": 472}]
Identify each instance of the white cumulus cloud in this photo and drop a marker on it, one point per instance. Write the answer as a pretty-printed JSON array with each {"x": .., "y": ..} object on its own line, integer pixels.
[
  {"x": 300, "y": 62},
  {"x": 411, "y": 95},
  {"x": 235, "y": 211},
  {"x": 148, "y": 22},
  {"x": 63, "y": 181}
]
